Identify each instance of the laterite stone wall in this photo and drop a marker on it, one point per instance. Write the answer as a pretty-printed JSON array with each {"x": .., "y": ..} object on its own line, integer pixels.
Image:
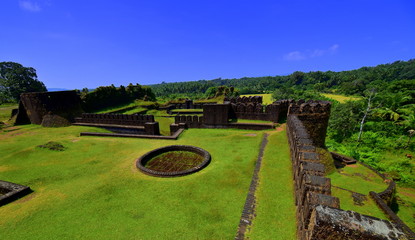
[
  {"x": 34, "y": 106},
  {"x": 318, "y": 213}
]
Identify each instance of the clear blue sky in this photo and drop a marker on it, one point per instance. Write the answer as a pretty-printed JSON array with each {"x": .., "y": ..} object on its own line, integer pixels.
[{"x": 90, "y": 43}]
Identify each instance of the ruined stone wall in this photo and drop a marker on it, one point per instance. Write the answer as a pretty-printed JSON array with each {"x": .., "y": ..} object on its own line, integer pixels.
[
  {"x": 314, "y": 115},
  {"x": 318, "y": 213},
  {"x": 216, "y": 114},
  {"x": 250, "y": 99},
  {"x": 65, "y": 104},
  {"x": 188, "y": 104},
  {"x": 117, "y": 119},
  {"x": 256, "y": 111},
  {"x": 336, "y": 224},
  {"x": 311, "y": 187},
  {"x": 190, "y": 121},
  {"x": 342, "y": 158}
]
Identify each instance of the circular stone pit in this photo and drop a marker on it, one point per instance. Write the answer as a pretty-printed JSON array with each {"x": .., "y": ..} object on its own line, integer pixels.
[{"x": 173, "y": 161}]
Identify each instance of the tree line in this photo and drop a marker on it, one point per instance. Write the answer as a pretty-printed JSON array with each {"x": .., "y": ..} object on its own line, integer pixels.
[
  {"x": 109, "y": 96},
  {"x": 352, "y": 82}
]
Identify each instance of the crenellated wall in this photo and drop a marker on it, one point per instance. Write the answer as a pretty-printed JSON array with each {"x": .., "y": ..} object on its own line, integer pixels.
[
  {"x": 311, "y": 187},
  {"x": 318, "y": 213},
  {"x": 256, "y": 111},
  {"x": 190, "y": 121},
  {"x": 117, "y": 119},
  {"x": 250, "y": 99},
  {"x": 314, "y": 115},
  {"x": 121, "y": 123}
]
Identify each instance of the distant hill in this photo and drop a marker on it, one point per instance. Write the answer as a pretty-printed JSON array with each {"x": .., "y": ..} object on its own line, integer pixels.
[
  {"x": 64, "y": 89},
  {"x": 346, "y": 82},
  {"x": 56, "y": 89}
]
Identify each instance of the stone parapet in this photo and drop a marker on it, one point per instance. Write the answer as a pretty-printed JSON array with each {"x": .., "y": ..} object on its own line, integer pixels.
[{"x": 118, "y": 119}]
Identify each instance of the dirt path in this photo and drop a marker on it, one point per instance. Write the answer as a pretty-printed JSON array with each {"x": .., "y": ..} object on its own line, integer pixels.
[
  {"x": 280, "y": 127},
  {"x": 248, "y": 213}
]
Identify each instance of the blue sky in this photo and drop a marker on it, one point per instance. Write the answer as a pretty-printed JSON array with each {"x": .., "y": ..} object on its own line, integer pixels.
[{"x": 90, "y": 43}]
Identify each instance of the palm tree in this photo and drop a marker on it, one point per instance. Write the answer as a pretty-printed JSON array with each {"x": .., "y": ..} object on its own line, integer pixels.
[{"x": 393, "y": 106}]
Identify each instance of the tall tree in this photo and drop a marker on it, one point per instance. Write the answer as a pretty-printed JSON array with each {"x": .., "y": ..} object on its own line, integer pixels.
[
  {"x": 345, "y": 119},
  {"x": 370, "y": 95},
  {"x": 16, "y": 79}
]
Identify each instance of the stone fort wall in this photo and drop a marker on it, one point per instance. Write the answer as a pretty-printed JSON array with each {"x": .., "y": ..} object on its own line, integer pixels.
[
  {"x": 253, "y": 109},
  {"x": 116, "y": 119},
  {"x": 319, "y": 215},
  {"x": 62, "y": 106}
]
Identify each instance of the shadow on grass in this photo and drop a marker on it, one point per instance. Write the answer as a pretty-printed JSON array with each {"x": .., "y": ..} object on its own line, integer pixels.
[
  {"x": 395, "y": 205},
  {"x": 10, "y": 129}
]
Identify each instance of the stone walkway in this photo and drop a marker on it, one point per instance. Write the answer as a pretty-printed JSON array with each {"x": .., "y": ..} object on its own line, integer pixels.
[{"x": 248, "y": 213}]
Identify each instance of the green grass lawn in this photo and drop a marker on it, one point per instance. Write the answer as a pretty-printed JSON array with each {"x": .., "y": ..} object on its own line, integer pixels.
[
  {"x": 92, "y": 190},
  {"x": 266, "y": 98},
  {"x": 6, "y": 111},
  {"x": 135, "y": 110},
  {"x": 116, "y": 108},
  {"x": 218, "y": 100},
  {"x": 139, "y": 105},
  {"x": 164, "y": 124},
  {"x": 362, "y": 180},
  {"x": 357, "y": 178},
  {"x": 406, "y": 206},
  {"x": 275, "y": 199},
  {"x": 251, "y": 121},
  {"x": 341, "y": 98}
]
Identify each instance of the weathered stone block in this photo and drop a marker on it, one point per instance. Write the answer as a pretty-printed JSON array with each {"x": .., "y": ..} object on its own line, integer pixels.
[
  {"x": 35, "y": 106},
  {"x": 216, "y": 114},
  {"x": 152, "y": 128},
  {"x": 330, "y": 223}
]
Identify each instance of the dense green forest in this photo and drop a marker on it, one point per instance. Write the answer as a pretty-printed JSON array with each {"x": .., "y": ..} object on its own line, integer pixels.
[
  {"x": 346, "y": 82},
  {"x": 109, "y": 96}
]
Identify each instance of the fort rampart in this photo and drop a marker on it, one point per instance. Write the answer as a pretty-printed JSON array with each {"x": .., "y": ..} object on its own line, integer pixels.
[
  {"x": 250, "y": 99},
  {"x": 122, "y": 123},
  {"x": 117, "y": 119},
  {"x": 318, "y": 213},
  {"x": 253, "y": 109}
]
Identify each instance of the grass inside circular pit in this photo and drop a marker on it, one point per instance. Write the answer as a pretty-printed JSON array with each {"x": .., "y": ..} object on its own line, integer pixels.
[{"x": 174, "y": 161}]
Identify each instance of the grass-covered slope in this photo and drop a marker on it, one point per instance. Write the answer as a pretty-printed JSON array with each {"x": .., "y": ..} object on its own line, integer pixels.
[
  {"x": 5, "y": 111},
  {"x": 92, "y": 190},
  {"x": 341, "y": 98},
  {"x": 360, "y": 180},
  {"x": 405, "y": 207}
]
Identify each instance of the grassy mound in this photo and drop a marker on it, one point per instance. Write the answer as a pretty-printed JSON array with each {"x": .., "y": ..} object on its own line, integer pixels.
[{"x": 353, "y": 181}]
